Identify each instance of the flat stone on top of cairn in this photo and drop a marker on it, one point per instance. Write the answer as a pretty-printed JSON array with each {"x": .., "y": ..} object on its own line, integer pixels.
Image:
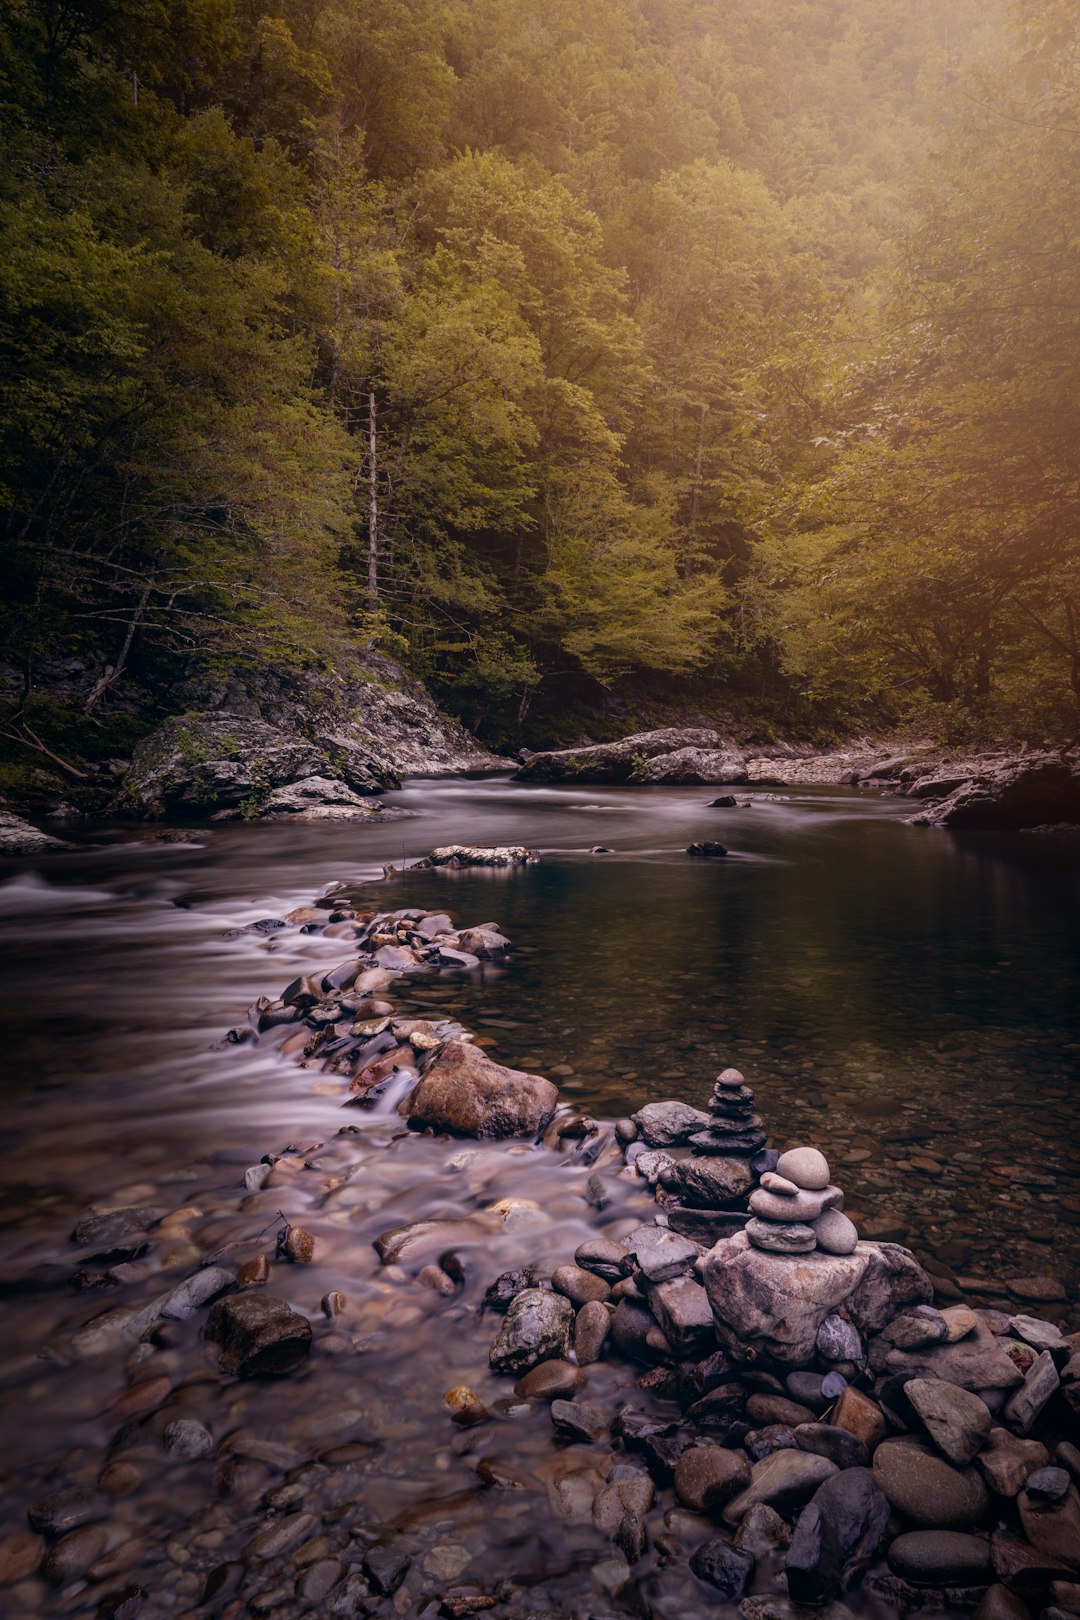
[{"x": 796, "y": 1209}]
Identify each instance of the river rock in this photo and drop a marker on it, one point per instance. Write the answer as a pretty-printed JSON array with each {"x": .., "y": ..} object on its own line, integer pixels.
[
  {"x": 579, "y": 1421},
  {"x": 723, "y": 1566},
  {"x": 74, "y": 1553},
  {"x": 669, "y": 1123},
  {"x": 838, "y": 1340},
  {"x": 405, "y": 1245},
  {"x": 536, "y": 1328},
  {"x": 1048, "y": 1484},
  {"x": 591, "y": 1327},
  {"x": 782, "y": 1480},
  {"x": 1053, "y": 1528},
  {"x": 977, "y": 1362},
  {"x": 462, "y": 1091},
  {"x": 278, "y": 1536},
  {"x": 186, "y": 1440},
  {"x": 774, "y": 1305},
  {"x": 815, "y": 1560},
  {"x": 21, "y": 1554},
  {"x": 781, "y": 1237},
  {"x": 835, "y": 1233},
  {"x": 707, "y": 847},
  {"x": 602, "y": 1256},
  {"x": 709, "y": 1183},
  {"x": 940, "y": 1558},
  {"x": 842, "y": 1448},
  {"x": 62, "y": 1510},
  {"x": 619, "y": 1510},
  {"x": 506, "y": 1287},
  {"x": 928, "y": 1490},
  {"x": 550, "y": 1380},
  {"x": 386, "y": 1566},
  {"x": 660, "y": 1253},
  {"x": 708, "y": 1476},
  {"x": 998, "y": 1603},
  {"x": 916, "y": 1330},
  {"x": 1041, "y": 1381},
  {"x": 475, "y": 855},
  {"x": 892, "y": 1279},
  {"x": 804, "y": 1206},
  {"x": 682, "y": 1309},
  {"x": 578, "y": 1285},
  {"x": 856, "y": 1509},
  {"x": 258, "y": 1333},
  {"x": 1006, "y": 1461},
  {"x": 762, "y": 1531},
  {"x": 806, "y": 1167},
  {"x": 957, "y": 1421},
  {"x": 613, "y": 762}
]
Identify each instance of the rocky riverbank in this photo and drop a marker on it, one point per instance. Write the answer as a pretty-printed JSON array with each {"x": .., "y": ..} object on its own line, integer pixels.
[
  {"x": 1001, "y": 790},
  {"x": 300, "y": 1398}
]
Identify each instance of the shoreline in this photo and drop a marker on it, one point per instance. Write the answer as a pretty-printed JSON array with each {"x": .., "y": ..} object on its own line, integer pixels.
[{"x": 530, "y": 1204}]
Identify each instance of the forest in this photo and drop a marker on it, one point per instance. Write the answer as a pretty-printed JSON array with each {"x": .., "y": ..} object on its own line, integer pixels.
[{"x": 710, "y": 357}]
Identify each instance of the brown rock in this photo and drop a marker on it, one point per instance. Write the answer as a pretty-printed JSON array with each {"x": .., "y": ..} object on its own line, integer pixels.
[
  {"x": 20, "y": 1555},
  {"x": 998, "y": 1603},
  {"x": 299, "y": 1245},
  {"x": 591, "y": 1326},
  {"x": 253, "y": 1273},
  {"x": 550, "y": 1380},
  {"x": 764, "y": 1409},
  {"x": 578, "y": 1285},
  {"x": 1053, "y": 1528},
  {"x": 708, "y": 1476},
  {"x": 464, "y": 1092},
  {"x": 120, "y": 1478},
  {"x": 258, "y": 1333},
  {"x": 74, "y": 1553},
  {"x": 140, "y": 1398},
  {"x": 1006, "y": 1461},
  {"x": 928, "y": 1490},
  {"x": 860, "y": 1416}
]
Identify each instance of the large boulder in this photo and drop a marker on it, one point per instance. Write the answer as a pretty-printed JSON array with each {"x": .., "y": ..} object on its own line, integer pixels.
[
  {"x": 1027, "y": 792},
  {"x": 617, "y": 761},
  {"x": 465, "y": 1093},
  {"x": 314, "y": 798},
  {"x": 474, "y": 855},
  {"x": 692, "y": 767},
  {"x": 773, "y": 1305},
  {"x": 201, "y": 763}
]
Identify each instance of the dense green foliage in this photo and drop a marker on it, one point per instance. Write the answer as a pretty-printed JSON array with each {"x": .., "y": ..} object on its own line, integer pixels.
[{"x": 728, "y": 348}]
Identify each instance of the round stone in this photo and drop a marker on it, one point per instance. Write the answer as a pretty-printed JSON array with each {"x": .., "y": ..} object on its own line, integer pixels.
[
  {"x": 806, "y": 1167},
  {"x": 550, "y": 1380},
  {"x": 777, "y": 1237},
  {"x": 940, "y": 1558},
  {"x": 730, "y": 1077},
  {"x": 778, "y": 1184},
  {"x": 927, "y": 1489},
  {"x": 708, "y": 1476},
  {"x": 1050, "y": 1483},
  {"x": 835, "y": 1233}
]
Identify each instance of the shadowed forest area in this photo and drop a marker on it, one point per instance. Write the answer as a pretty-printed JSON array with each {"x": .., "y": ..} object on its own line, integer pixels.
[{"x": 657, "y": 353}]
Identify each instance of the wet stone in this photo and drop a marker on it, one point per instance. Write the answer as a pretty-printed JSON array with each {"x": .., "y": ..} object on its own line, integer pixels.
[
  {"x": 21, "y": 1554},
  {"x": 279, "y": 1536},
  {"x": 708, "y": 1476},
  {"x": 815, "y": 1559},
  {"x": 940, "y": 1558},
  {"x": 578, "y": 1285},
  {"x": 957, "y": 1421},
  {"x": 591, "y": 1327},
  {"x": 661, "y": 1254},
  {"x": 386, "y": 1566},
  {"x": 762, "y": 1531},
  {"x": 579, "y": 1421},
  {"x": 536, "y": 1328},
  {"x": 549, "y": 1380},
  {"x": 186, "y": 1440},
  {"x": 1041, "y": 1381},
  {"x": 258, "y": 1333},
  {"x": 927, "y": 1489},
  {"x": 74, "y": 1553},
  {"x": 782, "y": 1480},
  {"x": 603, "y": 1257},
  {"x": 856, "y": 1509},
  {"x": 506, "y": 1287},
  {"x": 842, "y": 1448},
  {"x": 838, "y": 1340},
  {"x": 63, "y": 1510},
  {"x": 1050, "y": 1484},
  {"x": 723, "y": 1566}
]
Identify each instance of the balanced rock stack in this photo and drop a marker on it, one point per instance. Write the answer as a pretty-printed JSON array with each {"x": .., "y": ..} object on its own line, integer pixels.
[
  {"x": 734, "y": 1127},
  {"x": 796, "y": 1208}
]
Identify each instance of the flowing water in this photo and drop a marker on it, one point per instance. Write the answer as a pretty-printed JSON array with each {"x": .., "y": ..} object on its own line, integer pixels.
[{"x": 902, "y": 998}]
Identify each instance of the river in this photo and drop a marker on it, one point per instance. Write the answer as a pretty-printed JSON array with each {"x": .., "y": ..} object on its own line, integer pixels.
[{"x": 904, "y": 998}]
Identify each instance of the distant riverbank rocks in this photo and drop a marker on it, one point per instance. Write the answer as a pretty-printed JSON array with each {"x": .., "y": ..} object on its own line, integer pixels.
[
  {"x": 18, "y": 837},
  {"x": 671, "y": 755}
]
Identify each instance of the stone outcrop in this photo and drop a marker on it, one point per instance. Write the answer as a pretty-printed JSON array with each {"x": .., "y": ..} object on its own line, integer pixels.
[
  {"x": 465, "y": 1093},
  {"x": 693, "y": 767},
  {"x": 18, "y": 837},
  {"x": 1031, "y": 791},
  {"x": 239, "y": 744},
  {"x": 623, "y": 761}
]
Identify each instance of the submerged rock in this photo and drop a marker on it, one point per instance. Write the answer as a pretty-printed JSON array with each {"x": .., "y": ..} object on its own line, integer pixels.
[{"x": 462, "y": 1091}]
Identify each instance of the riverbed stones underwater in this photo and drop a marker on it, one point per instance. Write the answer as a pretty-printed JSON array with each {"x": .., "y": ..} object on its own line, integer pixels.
[{"x": 660, "y": 1415}]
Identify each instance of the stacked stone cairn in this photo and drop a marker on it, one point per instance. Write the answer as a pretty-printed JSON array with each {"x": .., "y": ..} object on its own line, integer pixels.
[
  {"x": 796, "y": 1209},
  {"x": 807, "y": 1421}
]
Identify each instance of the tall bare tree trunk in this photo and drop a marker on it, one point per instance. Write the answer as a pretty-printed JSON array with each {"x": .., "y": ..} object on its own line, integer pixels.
[{"x": 373, "y": 506}]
